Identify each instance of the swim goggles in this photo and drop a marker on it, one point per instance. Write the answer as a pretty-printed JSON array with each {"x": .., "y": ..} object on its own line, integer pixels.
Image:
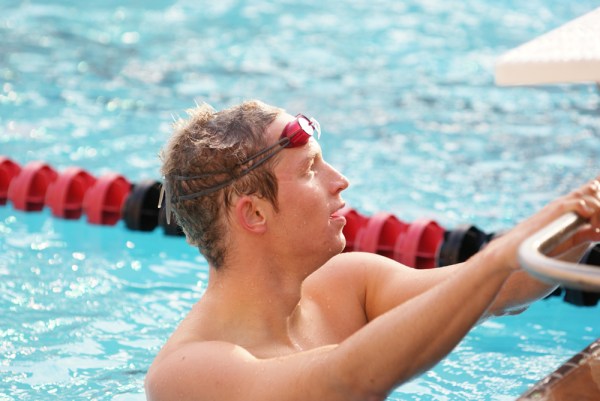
[{"x": 296, "y": 133}]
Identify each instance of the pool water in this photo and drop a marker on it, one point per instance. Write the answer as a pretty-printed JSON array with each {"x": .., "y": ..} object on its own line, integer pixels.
[{"x": 404, "y": 92}]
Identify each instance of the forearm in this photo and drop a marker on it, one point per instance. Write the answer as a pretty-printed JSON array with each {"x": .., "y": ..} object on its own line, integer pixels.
[
  {"x": 517, "y": 293},
  {"x": 521, "y": 289},
  {"x": 418, "y": 333}
]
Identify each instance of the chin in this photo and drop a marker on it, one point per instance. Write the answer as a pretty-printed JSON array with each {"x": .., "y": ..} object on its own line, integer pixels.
[
  {"x": 342, "y": 243},
  {"x": 338, "y": 246}
]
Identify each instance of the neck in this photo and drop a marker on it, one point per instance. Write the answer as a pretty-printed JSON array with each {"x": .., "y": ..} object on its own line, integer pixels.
[{"x": 257, "y": 298}]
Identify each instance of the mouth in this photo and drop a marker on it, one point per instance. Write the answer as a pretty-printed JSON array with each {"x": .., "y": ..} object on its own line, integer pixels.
[{"x": 338, "y": 213}]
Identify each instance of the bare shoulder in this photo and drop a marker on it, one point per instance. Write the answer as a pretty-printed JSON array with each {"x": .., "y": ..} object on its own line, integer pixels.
[
  {"x": 353, "y": 268},
  {"x": 193, "y": 370},
  {"x": 343, "y": 282},
  {"x": 348, "y": 264},
  {"x": 217, "y": 370}
]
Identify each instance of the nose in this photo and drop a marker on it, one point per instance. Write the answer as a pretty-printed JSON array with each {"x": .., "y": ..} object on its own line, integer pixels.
[{"x": 340, "y": 182}]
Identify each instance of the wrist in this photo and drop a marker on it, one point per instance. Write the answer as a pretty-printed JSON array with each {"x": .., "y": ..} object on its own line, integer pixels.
[{"x": 499, "y": 255}]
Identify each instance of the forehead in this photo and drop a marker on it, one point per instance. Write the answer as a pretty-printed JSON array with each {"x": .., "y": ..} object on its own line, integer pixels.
[{"x": 275, "y": 129}]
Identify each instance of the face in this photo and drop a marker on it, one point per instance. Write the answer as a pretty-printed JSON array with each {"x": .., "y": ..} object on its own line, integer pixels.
[{"x": 309, "y": 197}]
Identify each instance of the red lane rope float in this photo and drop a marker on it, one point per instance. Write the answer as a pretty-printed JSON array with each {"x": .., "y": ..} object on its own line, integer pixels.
[
  {"x": 65, "y": 195},
  {"x": 418, "y": 246},
  {"x": 8, "y": 170},
  {"x": 27, "y": 191},
  {"x": 379, "y": 234},
  {"x": 103, "y": 201},
  {"x": 354, "y": 223},
  {"x": 36, "y": 185}
]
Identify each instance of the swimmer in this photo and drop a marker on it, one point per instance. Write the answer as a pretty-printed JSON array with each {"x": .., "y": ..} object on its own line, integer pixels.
[{"x": 286, "y": 315}]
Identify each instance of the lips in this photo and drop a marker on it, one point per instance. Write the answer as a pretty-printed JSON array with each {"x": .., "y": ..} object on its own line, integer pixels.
[{"x": 338, "y": 212}]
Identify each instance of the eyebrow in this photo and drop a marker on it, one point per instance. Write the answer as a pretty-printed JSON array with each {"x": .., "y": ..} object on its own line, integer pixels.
[{"x": 312, "y": 154}]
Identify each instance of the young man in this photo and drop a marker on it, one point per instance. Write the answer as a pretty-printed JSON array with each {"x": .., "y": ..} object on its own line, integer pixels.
[{"x": 286, "y": 315}]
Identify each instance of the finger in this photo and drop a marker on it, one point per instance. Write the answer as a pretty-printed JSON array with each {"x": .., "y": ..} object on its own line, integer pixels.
[
  {"x": 590, "y": 188},
  {"x": 581, "y": 192},
  {"x": 589, "y": 196},
  {"x": 593, "y": 188},
  {"x": 585, "y": 234},
  {"x": 587, "y": 206}
]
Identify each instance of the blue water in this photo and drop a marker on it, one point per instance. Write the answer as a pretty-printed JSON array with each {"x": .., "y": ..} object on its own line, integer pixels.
[{"x": 405, "y": 94}]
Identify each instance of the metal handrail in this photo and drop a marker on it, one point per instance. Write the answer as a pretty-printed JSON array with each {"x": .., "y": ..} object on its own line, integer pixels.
[{"x": 571, "y": 275}]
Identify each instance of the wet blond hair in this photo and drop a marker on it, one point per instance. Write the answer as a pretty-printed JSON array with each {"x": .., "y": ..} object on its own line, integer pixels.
[{"x": 210, "y": 146}]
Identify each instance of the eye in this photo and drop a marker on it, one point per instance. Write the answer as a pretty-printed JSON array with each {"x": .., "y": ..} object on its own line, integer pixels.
[
  {"x": 312, "y": 164},
  {"x": 309, "y": 168}
]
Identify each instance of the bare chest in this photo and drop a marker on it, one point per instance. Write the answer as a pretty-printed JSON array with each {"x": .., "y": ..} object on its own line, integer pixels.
[{"x": 316, "y": 325}]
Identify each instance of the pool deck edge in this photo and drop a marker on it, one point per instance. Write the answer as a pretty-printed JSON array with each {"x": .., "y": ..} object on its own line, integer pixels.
[{"x": 577, "y": 379}]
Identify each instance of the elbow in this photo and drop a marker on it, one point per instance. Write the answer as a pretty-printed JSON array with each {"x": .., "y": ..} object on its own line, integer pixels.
[
  {"x": 155, "y": 384},
  {"x": 506, "y": 311},
  {"x": 515, "y": 310},
  {"x": 150, "y": 387}
]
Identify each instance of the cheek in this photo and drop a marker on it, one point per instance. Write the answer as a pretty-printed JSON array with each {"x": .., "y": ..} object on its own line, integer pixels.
[
  {"x": 314, "y": 205},
  {"x": 302, "y": 220},
  {"x": 304, "y": 204}
]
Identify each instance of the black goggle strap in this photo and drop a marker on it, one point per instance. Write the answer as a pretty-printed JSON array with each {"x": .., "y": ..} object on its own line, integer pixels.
[{"x": 172, "y": 197}]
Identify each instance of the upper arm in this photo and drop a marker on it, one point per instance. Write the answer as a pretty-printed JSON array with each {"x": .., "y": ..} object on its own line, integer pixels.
[
  {"x": 386, "y": 283},
  {"x": 221, "y": 371},
  {"x": 390, "y": 284}
]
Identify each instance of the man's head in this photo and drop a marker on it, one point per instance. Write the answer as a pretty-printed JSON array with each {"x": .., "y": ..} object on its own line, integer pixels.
[{"x": 211, "y": 149}]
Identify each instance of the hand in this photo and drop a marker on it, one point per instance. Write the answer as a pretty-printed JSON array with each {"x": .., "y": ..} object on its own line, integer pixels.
[
  {"x": 584, "y": 201},
  {"x": 587, "y": 205}
]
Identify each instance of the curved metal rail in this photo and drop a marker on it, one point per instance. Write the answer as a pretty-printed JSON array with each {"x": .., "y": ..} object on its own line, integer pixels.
[{"x": 571, "y": 275}]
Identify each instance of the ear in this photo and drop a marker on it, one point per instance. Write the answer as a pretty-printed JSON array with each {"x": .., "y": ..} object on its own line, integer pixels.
[{"x": 250, "y": 214}]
